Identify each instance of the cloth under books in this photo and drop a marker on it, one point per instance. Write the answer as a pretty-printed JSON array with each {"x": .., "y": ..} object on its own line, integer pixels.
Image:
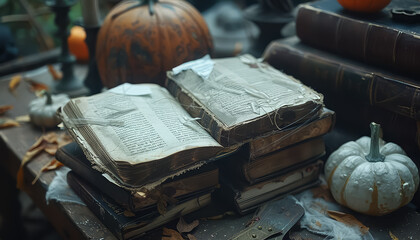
[
  {"x": 60, "y": 191},
  {"x": 317, "y": 221}
]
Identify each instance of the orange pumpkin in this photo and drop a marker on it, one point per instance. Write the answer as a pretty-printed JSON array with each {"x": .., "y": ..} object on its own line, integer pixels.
[
  {"x": 77, "y": 44},
  {"x": 139, "y": 42},
  {"x": 367, "y": 6}
]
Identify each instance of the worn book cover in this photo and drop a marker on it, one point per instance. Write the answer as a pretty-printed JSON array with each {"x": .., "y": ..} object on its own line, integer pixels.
[
  {"x": 277, "y": 140},
  {"x": 341, "y": 78},
  {"x": 141, "y": 140},
  {"x": 246, "y": 197},
  {"x": 375, "y": 38},
  {"x": 175, "y": 189},
  {"x": 243, "y": 98},
  {"x": 277, "y": 162},
  {"x": 126, "y": 225}
]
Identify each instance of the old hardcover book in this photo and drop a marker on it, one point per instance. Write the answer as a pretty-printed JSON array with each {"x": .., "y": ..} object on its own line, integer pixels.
[
  {"x": 342, "y": 78},
  {"x": 246, "y": 197},
  {"x": 138, "y": 141},
  {"x": 372, "y": 38},
  {"x": 243, "y": 98},
  {"x": 275, "y": 163},
  {"x": 178, "y": 188},
  {"x": 131, "y": 226},
  {"x": 288, "y": 136}
]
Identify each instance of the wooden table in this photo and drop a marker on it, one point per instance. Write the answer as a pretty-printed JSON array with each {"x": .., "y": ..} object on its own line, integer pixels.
[{"x": 74, "y": 221}]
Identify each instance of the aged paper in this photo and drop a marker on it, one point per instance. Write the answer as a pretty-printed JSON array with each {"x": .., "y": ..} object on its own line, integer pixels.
[{"x": 152, "y": 126}]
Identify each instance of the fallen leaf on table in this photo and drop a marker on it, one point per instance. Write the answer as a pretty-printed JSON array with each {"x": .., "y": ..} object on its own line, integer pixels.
[
  {"x": 347, "y": 219},
  {"x": 128, "y": 213},
  {"x": 14, "y": 82},
  {"x": 170, "y": 234},
  {"x": 7, "y": 122},
  {"x": 52, "y": 165},
  {"x": 5, "y": 108},
  {"x": 393, "y": 237},
  {"x": 184, "y": 227},
  {"x": 57, "y": 75},
  {"x": 49, "y": 143}
]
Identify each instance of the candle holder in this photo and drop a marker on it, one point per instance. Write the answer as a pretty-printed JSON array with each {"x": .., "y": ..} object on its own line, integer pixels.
[
  {"x": 69, "y": 83},
  {"x": 92, "y": 80}
]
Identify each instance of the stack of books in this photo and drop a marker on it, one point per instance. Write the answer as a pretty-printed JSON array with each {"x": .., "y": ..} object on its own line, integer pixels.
[
  {"x": 366, "y": 65},
  {"x": 146, "y": 154},
  {"x": 283, "y": 162}
]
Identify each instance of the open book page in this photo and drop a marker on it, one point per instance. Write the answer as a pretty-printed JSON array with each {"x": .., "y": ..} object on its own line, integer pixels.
[
  {"x": 241, "y": 89},
  {"x": 152, "y": 126}
]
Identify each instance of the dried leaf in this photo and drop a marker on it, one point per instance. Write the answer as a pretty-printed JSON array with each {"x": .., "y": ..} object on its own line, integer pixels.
[
  {"x": 51, "y": 149},
  {"x": 14, "y": 82},
  {"x": 49, "y": 143},
  {"x": 170, "y": 234},
  {"x": 318, "y": 224},
  {"x": 36, "y": 86},
  {"x": 323, "y": 192},
  {"x": 191, "y": 237},
  {"x": 6, "y": 123},
  {"x": 393, "y": 237},
  {"x": 23, "y": 118},
  {"x": 184, "y": 227},
  {"x": 57, "y": 75},
  {"x": 5, "y": 108},
  {"x": 30, "y": 154},
  {"x": 52, "y": 165},
  {"x": 347, "y": 219}
]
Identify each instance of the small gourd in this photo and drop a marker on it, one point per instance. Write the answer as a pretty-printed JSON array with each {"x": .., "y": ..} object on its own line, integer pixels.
[
  {"x": 42, "y": 111},
  {"x": 371, "y": 176}
]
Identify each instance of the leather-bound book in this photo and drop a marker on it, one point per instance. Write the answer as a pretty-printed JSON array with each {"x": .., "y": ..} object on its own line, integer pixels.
[
  {"x": 372, "y": 38},
  {"x": 341, "y": 78}
]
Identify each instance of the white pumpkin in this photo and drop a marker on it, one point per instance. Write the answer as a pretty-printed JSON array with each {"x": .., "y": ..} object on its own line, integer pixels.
[
  {"x": 371, "y": 176},
  {"x": 42, "y": 111}
]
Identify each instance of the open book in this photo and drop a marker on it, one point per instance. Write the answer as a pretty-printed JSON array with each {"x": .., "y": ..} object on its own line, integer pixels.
[{"x": 148, "y": 137}]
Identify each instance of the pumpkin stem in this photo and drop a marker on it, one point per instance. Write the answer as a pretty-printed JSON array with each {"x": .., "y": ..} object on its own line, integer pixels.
[
  {"x": 374, "y": 154},
  {"x": 151, "y": 7},
  {"x": 49, "y": 99}
]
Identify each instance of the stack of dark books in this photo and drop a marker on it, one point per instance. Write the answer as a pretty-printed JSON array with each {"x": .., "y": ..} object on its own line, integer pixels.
[
  {"x": 284, "y": 162},
  {"x": 145, "y": 157},
  {"x": 366, "y": 65}
]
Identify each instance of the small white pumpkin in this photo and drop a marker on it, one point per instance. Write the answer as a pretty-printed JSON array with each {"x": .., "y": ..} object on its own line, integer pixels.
[
  {"x": 42, "y": 111},
  {"x": 370, "y": 176}
]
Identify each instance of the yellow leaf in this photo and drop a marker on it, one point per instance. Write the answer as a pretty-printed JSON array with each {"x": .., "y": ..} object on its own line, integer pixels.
[
  {"x": 393, "y": 237},
  {"x": 49, "y": 143},
  {"x": 52, "y": 165},
  {"x": 14, "y": 82},
  {"x": 57, "y": 75},
  {"x": 5, "y": 108},
  {"x": 6, "y": 123},
  {"x": 170, "y": 234},
  {"x": 347, "y": 219},
  {"x": 36, "y": 86},
  {"x": 28, "y": 156}
]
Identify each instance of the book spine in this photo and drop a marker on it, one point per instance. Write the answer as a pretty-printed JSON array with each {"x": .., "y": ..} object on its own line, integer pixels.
[
  {"x": 335, "y": 78},
  {"x": 361, "y": 40}
]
